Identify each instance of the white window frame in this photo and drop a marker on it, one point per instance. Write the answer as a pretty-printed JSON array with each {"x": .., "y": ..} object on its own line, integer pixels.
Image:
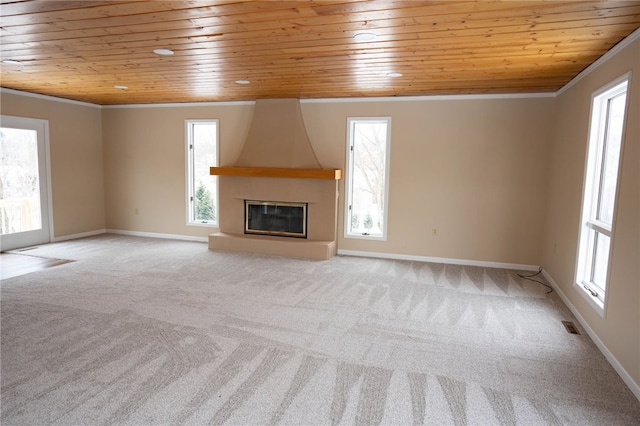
[
  {"x": 190, "y": 179},
  {"x": 349, "y": 179},
  {"x": 590, "y": 226}
]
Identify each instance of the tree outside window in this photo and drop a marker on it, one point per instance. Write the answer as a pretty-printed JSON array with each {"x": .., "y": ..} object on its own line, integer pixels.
[
  {"x": 202, "y": 153},
  {"x": 367, "y": 177}
]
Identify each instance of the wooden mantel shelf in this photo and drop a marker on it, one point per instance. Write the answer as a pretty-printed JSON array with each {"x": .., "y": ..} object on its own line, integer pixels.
[{"x": 274, "y": 172}]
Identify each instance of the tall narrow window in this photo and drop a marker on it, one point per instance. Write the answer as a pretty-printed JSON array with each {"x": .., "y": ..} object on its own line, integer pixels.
[
  {"x": 202, "y": 188},
  {"x": 600, "y": 187},
  {"x": 367, "y": 178}
]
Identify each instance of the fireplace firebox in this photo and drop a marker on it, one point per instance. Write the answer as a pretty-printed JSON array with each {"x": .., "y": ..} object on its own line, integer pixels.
[{"x": 275, "y": 218}]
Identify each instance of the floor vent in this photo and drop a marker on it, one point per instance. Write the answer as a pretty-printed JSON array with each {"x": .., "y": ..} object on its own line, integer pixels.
[{"x": 570, "y": 327}]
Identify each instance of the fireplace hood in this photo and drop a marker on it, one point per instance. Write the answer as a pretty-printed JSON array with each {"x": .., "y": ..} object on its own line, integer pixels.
[{"x": 277, "y": 145}]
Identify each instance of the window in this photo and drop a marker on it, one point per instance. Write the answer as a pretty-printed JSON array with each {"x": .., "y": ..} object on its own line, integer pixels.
[
  {"x": 202, "y": 188},
  {"x": 599, "y": 197},
  {"x": 367, "y": 178}
]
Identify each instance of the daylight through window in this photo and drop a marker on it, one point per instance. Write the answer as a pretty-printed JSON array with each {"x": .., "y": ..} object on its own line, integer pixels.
[
  {"x": 202, "y": 191},
  {"x": 19, "y": 181},
  {"x": 599, "y": 198},
  {"x": 367, "y": 177}
]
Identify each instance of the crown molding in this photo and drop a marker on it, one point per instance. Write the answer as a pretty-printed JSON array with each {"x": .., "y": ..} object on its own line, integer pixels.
[
  {"x": 430, "y": 98},
  {"x": 180, "y": 104},
  {"x": 304, "y": 101},
  {"x": 47, "y": 97}
]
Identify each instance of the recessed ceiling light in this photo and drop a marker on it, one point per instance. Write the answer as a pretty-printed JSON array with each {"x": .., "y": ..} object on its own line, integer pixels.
[
  {"x": 163, "y": 52},
  {"x": 364, "y": 37},
  {"x": 242, "y": 82},
  {"x": 11, "y": 62},
  {"x": 394, "y": 74},
  {"x": 120, "y": 87}
]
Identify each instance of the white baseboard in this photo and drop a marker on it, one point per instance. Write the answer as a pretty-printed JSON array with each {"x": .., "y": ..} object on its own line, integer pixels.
[
  {"x": 157, "y": 235},
  {"x": 628, "y": 380},
  {"x": 446, "y": 260},
  {"x": 80, "y": 235}
]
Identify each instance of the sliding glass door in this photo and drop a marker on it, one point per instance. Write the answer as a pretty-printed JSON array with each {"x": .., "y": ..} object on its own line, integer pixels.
[{"x": 24, "y": 188}]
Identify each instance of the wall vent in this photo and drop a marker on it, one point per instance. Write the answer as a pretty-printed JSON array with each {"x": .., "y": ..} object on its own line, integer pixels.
[{"x": 570, "y": 327}]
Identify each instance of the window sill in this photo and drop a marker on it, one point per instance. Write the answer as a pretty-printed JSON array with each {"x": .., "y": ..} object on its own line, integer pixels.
[
  {"x": 595, "y": 303},
  {"x": 365, "y": 237},
  {"x": 203, "y": 225}
]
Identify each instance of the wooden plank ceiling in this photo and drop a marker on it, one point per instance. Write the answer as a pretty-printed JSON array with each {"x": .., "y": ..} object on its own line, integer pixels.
[{"x": 303, "y": 49}]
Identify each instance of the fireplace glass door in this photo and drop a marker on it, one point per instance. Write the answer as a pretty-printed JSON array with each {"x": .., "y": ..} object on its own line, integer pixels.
[{"x": 275, "y": 218}]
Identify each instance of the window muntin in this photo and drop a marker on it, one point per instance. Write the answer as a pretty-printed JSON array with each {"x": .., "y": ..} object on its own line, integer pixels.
[
  {"x": 367, "y": 177},
  {"x": 599, "y": 197},
  {"x": 202, "y": 188}
]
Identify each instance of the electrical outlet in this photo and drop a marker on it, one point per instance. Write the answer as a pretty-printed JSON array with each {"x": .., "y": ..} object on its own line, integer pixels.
[
  {"x": 136, "y": 211},
  {"x": 434, "y": 232}
]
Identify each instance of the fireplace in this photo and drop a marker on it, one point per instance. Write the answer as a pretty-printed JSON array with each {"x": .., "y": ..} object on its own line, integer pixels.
[
  {"x": 275, "y": 218},
  {"x": 277, "y": 164}
]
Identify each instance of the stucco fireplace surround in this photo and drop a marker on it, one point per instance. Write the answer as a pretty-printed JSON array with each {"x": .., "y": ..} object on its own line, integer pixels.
[{"x": 277, "y": 163}]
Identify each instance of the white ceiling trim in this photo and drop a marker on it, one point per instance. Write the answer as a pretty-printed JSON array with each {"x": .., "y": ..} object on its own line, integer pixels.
[
  {"x": 309, "y": 101},
  {"x": 180, "y": 104},
  {"x": 430, "y": 98},
  {"x": 47, "y": 97}
]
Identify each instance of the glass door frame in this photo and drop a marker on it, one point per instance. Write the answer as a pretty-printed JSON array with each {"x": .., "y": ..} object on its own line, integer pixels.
[{"x": 45, "y": 233}]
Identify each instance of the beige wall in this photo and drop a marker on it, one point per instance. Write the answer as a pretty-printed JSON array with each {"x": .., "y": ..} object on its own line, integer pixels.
[
  {"x": 620, "y": 330},
  {"x": 77, "y": 176},
  {"x": 474, "y": 169},
  {"x": 144, "y": 163}
]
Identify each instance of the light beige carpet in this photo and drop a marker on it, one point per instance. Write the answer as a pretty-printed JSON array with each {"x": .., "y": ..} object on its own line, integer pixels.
[{"x": 146, "y": 331}]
